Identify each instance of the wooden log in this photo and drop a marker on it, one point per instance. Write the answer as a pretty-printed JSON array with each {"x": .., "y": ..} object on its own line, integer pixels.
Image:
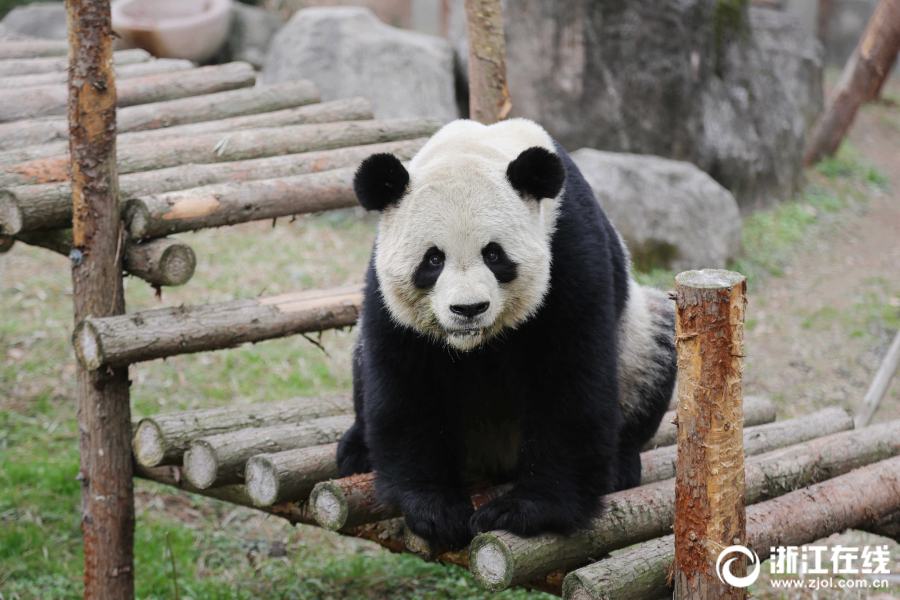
[
  {"x": 500, "y": 559},
  {"x": 488, "y": 98},
  {"x": 158, "y": 262},
  {"x": 153, "y": 67},
  {"x": 222, "y": 459},
  {"x": 25, "y": 66},
  {"x": 289, "y": 476},
  {"x": 757, "y": 411},
  {"x": 709, "y": 475},
  {"x": 350, "y": 109},
  {"x": 33, "y": 49},
  {"x": 163, "y": 439},
  {"x": 48, "y": 206},
  {"x": 850, "y": 501},
  {"x": 104, "y": 409},
  {"x": 171, "y": 331},
  {"x": 349, "y": 502},
  {"x": 48, "y": 100},
  {"x": 227, "y": 147},
  {"x": 211, "y": 107},
  {"x": 860, "y": 81},
  {"x": 659, "y": 464},
  {"x": 879, "y": 386}
]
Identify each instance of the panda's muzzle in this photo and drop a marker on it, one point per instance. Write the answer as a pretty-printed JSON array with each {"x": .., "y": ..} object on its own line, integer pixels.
[{"x": 469, "y": 311}]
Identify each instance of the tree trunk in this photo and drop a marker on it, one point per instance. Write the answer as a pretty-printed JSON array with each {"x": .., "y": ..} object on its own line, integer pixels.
[
  {"x": 862, "y": 78},
  {"x": 27, "y": 66},
  {"x": 152, "y": 334},
  {"x": 33, "y": 49},
  {"x": 659, "y": 464},
  {"x": 757, "y": 411},
  {"x": 196, "y": 109},
  {"x": 48, "y": 206},
  {"x": 104, "y": 414},
  {"x": 163, "y": 439},
  {"x": 646, "y": 512},
  {"x": 709, "y": 480},
  {"x": 879, "y": 386},
  {"x": 227, "y": 147},
  {"x": 488, "y": 99},
  {"x": 801, "y": 517},
  {"x": 291, "y": 475},
  {"x": 50, "y": 100},
  {"x": 153, "y": 67},
  {"x": 221, "y": 459}
]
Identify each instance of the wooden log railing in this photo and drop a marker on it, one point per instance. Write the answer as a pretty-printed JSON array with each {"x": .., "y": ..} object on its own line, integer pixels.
[
  {"x": 153, "y": 67},
  {"x": 33, "y": 49},
  {"x": 757, "y": 411},
  {"x": 26, "y": 66}
]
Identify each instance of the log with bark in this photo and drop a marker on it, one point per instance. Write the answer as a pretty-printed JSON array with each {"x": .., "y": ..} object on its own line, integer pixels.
[
  {"x": 850, "y": 501},
  {"x": 291, "y": 475},
  {"x": 500, "y": 559},
  {"x": 153, "y": 67},
  {"x": 350, "y": 109},
  {"x": 659, "y": 464},
  {"x": 757, "y": 411},
  {"x": 159, "y": 262},
  {"x": 26, "y": 66},
  {"x": 227, "y": 147},
  {"x": 153, "y": 334},
  {"x": 860, "y": 81},
  {"x": 488, "y": 97},
  {"x": 196, "y": 109},
  {"x": 221, "y": 459},
  {"x": 34, "y": 49},
  {"x": 48, "y": 206},
  {"x": 163, "y": 439},
  {"x": 880, "y": 384},
  {"x": 48, "y": 100}
]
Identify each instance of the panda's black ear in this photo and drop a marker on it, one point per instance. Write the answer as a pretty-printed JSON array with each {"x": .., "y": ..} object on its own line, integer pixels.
[
  {"x": 380, "y": 181},
  {"x": 537, "y": 173}
]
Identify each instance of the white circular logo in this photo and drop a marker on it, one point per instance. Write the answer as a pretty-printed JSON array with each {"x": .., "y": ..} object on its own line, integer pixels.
[{"x": 724, "y": 571}]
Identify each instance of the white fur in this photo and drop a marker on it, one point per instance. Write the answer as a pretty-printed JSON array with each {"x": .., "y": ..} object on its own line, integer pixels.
[{"x": 459, "y": 201}]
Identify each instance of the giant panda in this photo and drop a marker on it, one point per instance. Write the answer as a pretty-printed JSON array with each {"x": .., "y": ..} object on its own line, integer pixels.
[{"x": 501, "y": 338}]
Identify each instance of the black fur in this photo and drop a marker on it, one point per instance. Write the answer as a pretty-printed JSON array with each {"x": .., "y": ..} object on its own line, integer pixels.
[
  {"x": 427, "y": 273},
  {"x": 553, "y": 380},
  {"x": 380, "y": 181},
  {"x": 503, "y": 268},
  {"x": 537, "y": 173}
]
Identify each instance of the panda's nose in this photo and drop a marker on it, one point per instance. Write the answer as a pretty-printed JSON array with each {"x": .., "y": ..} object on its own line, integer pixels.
[{"x": 469, "y": 310}]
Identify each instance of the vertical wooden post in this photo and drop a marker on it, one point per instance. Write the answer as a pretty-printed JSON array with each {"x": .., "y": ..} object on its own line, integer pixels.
[
  {"x": 104, "y": 415},
  {"x": 709, "y": 482},
  {"x": 488, "y": 98}
]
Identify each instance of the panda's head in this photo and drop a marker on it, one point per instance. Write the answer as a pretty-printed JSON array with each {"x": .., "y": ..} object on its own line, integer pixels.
[{"x": 463, "y": 247}]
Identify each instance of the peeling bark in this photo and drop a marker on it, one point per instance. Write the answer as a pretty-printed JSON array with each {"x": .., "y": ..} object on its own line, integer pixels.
[{"x": 488, "y": 97}]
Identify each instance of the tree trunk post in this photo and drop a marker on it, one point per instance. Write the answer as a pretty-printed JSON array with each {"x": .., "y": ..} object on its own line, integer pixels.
[
  {"x": 709, "y": 483},
  {"x": 488, "y": 98},
  {"x": 104, "y": 415}
]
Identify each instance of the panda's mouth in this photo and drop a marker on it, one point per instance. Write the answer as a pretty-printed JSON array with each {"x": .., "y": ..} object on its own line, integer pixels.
[{"x": 467, "y": 331}]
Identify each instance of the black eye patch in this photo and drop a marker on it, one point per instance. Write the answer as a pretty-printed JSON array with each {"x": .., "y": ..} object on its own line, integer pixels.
[
  {"x": 429, "y": 269},
  {"x": 503, "y": 268}
]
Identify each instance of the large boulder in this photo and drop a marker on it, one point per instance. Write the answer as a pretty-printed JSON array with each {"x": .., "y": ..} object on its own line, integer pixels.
[
  {"x": 252, "y": 30},
  {"x": 671, "y": 214},
  {"x": 45, "y": 20},
  {"x": 349, "y": 52}
]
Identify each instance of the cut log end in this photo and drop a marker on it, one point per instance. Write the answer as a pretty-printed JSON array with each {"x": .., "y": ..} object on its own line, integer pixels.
[
  {"x": 177, "y": 264},
  {"x": 200, "y": 465},
  {"x": 491, "y": 562},
  {"x": 574, "y": 589},
  {"x": 137, "y": 218},
  {"x": 10, "y": 214},
  {"x": 709, "y": 279},
  {"x": 329, "y": 506},
  {"x": 149, "y": 448},
  {"x": 261, "y": 481},
  {"x": 88, "y": 348}
]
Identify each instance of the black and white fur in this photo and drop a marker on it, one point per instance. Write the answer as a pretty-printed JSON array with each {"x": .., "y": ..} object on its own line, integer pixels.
[{"x": 501, "y": 337}]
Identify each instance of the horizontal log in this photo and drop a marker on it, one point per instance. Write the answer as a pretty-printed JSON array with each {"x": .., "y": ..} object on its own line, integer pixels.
[
  {"x": 153, "y": 67},
  {"x": 228, "y": 147},
  {"x": 48, "y": 100},
  {"x": 349, "y": 502},
  {"x": 850, "y": 501},
  {"x": 49, "y": 206},
  {"x": 159, "y": 262},
  {"x": 221, "y": 459},
  {"x": 659, "y": 464},
  {"x": 163, "y": 439},
  {"x": 33, "y": 49},
  {"x": 152, "y": 334},
  {"x": 500, "y": 559},
  {"x": 350, "y": 109},
  {"x": 757, "y": 411},
  {"x": 196, "y": 109},
  {"x": 25, "y": 66},
  {"x": 291, "y": 475}
]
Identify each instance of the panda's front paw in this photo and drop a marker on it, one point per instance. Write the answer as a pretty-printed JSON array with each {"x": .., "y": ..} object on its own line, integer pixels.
[
  {"x": 352, "y": 453},
  {"x": 524, "y": 515},
  {"x": 441, "y": 519}
]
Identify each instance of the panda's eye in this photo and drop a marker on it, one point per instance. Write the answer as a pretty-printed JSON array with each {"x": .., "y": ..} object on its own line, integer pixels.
[
  {"x": 492, "y": 256},
  {"x": 436, "y": 260}
]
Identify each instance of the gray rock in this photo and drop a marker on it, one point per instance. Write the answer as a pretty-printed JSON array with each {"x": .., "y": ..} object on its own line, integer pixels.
[
  {"x": 349, "y": 52},
  {"x": 45, "y": 20},
  {"x": 671, "y": 214},
  {"x": 796, "y": 55},
  {"x": 252, "y": 30}
]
